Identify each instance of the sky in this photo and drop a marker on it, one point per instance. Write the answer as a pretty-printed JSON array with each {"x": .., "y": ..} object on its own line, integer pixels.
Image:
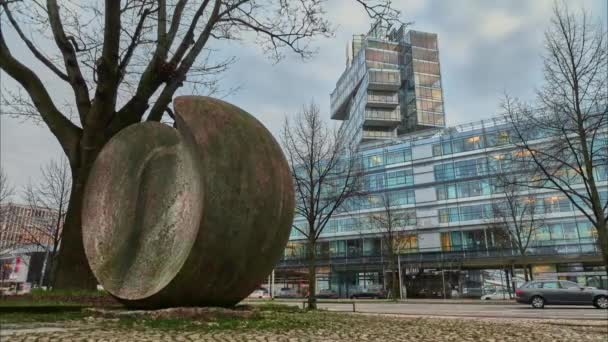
[{"x": 487, "y": 47}]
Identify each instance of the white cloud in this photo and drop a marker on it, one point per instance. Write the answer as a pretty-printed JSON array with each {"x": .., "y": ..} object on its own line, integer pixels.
[{"x": 498, "y": 24}]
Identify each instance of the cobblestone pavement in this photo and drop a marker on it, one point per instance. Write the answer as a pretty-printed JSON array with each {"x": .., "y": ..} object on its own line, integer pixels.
[{"x": 335, "y": 327}]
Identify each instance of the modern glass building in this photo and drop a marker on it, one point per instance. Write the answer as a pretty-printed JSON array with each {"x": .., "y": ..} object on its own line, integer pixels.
[
  {"x": 444, "y": 182},
  {"x": 391, "y": 85}
]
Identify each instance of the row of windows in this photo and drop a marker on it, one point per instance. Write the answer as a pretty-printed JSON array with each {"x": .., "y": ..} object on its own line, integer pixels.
[
  {"x": 430, "y": 106},
  {"x": 351, "y": 247},
  {"x": 381, "y": 56},
  {"x": 387, "y": 158},
  {"x": 461, "y": 169},
  {"x": 386, "y": 77},
  {"x": 539, "y": 205},
  {"x": 388, "y": 180},
  {"x": 551, "y": 234},
  {"x": 423, "y": 80},
  {"x": 429, "y": 118},
  {"x": 424, "y": 54},
  {"x": 428, "y": 93},
  {"x": 465, "y": 189},
  {"x": 355, "y": 224},
  {"x": 382, "y": 97},
  {"x": 424, "y": 67},
  {"x": 373, "y": 201},
  {"x": 424, "y": 40},
  {"x": 383, "y": 114}
]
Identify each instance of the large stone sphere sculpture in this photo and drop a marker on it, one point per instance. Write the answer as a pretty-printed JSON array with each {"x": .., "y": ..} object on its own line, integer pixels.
[{"x": 193, "y": 216}]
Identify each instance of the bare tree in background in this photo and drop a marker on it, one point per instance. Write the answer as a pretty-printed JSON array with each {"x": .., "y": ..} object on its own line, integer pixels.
[
  {"x": 572, "y": 116},
  {"x": 51, "y": 194},
  {"x": 123, "y": 61},
  {"x": 325, "y": 174},
  {"x": 518, "y": 216},
  {"x": 389, "y": 224},
  {"x": 6, "y": 190}
]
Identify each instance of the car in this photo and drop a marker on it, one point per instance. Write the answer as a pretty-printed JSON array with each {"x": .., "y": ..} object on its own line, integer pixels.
[
  {"x": 496, "y": 295},
  {"x": 538, "y": 293},
  {"x": 378, "y": 294},
  {"x": 328, "y": 294},
  {"x": 259, "y": 293},
  {"x": 287, "y": 292}
]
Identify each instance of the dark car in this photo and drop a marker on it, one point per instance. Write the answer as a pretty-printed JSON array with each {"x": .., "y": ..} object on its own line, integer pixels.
[
  {"x": 368, "y": 294},
  {"x": 327, "y": 294},
  {"x": 540, "y": 292}
]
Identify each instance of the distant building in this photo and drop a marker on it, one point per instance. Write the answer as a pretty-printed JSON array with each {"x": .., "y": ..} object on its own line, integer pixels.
[{"x": 25, "y": 225}]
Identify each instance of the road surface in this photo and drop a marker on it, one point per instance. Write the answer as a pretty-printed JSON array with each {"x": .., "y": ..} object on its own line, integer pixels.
[{"x": 509, "y": 311}]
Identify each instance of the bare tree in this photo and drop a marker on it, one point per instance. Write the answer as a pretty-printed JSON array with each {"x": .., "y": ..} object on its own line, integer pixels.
[
  {"x": 6, "y": 190},
  {"x": 389, "y": 223},
  {"x": 123, "y": 61},
  {"x": 566, "y": 136},
  {"x": 518, "y": 216},
  {"x": 52, "y": 195},
  {"x": 325, "y": 174}
]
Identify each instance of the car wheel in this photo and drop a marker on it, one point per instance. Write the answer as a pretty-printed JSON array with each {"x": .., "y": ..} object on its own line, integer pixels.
[
  {"x": 601, "y": 302},
  {"x": 487, "y": 298},
  {"x": 538, "y": 302}
]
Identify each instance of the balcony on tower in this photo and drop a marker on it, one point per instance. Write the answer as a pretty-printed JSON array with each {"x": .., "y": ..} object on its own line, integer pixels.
[{"x": 384, "y": 79}]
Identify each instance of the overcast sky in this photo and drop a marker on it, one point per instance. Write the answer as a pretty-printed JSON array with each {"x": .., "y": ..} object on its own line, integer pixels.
[{"x": 486, "y": 47}]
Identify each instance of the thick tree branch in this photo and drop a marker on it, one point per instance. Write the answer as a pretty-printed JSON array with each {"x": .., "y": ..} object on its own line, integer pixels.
[
  {"x": 64, "y": 130},
  {"x": 32, "y": 47},
  {"x": 77, "y": 81}
]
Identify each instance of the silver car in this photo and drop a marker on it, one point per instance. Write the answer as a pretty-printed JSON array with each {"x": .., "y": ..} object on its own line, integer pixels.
[{"x": 561, "y": 292}]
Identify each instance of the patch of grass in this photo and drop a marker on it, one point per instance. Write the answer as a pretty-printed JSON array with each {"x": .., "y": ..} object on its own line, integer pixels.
[
  {"x": 40, "y": 297},
  {"x": 43, "y": 317},
  {"x": 44, "y": 294},
  {"x": 268, "y": 317}
]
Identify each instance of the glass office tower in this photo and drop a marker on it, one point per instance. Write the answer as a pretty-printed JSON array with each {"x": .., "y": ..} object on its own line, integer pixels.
[{"x": 391, "y": 85}]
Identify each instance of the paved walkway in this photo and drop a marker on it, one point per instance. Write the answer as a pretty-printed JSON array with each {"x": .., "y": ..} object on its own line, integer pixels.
[{"x": 337, "y": 328}]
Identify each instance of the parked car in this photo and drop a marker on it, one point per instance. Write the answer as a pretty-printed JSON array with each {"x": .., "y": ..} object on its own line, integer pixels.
[
  {"x": 287, "y": 292},
  {"x": 368, "y": 294},
  {"x": 496, "y": 295},
  {"x": 328, "y": 294},
  {"x": 538, "y": 293},
  {"x": 260, "y": 293}
]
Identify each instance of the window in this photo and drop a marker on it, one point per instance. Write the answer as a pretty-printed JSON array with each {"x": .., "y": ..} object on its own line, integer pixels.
[
  {"x": 473, "y": 143},
  {"x": 550, "y": 285},
  {"x": 436, "y": 150},
  {"x": 534, "y": 285},
  {"x": 570, "y": 232},
  {"x": 399, "y": 156},
  {"x": 569, "y": 285}
]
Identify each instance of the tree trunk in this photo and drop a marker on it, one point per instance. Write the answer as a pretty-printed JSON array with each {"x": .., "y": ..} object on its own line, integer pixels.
[
  {"x": 312, "y": 276},
  {"x": 530, "y": 270},
  {"x": 507, "y": 280},
  {"x": 394, "y": 279},
  {"x": 602, "y": 240},
  {"x": 73, "y": 271}
]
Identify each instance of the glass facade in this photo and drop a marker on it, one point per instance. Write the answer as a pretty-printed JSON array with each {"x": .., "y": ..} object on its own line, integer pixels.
[
  {"x": 391, "y": 86},
  {"x": 443, "y": 182}
]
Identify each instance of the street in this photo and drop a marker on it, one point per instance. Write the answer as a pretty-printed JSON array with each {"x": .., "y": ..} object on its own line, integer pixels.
[{"x": 509, "y": 310}]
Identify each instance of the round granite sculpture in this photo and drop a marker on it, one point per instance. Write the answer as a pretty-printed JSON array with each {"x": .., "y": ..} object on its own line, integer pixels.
[{"x": 193, "y": 216}]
